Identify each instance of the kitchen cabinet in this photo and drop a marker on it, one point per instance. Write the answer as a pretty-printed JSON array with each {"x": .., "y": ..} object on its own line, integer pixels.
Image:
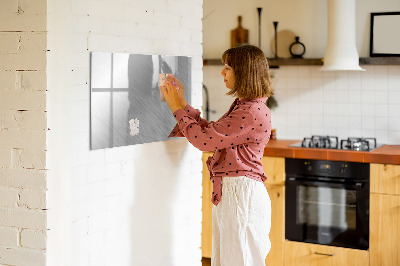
[
  {"x": 206, "y": 226},
  {"x": 385, "y": 178},
  {"x": 385, "y": 215},
  {"x": 274, "y": 168},
  {"x": 305, "y": 254}
]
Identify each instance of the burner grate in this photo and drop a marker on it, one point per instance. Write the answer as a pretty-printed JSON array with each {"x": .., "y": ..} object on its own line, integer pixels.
[
  {"x": 358, "y": 144},
  {"x": 327, "y": 142}
]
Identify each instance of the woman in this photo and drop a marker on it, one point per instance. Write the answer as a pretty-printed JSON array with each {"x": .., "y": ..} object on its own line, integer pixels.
[{"x": 242, "y": 208}]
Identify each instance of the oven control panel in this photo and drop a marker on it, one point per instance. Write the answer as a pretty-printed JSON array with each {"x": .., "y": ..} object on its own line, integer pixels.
[{"x": 337, "y": 169}]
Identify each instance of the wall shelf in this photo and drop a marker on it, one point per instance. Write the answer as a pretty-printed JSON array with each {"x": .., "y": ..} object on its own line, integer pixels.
[{"x": 274, "y": 63}]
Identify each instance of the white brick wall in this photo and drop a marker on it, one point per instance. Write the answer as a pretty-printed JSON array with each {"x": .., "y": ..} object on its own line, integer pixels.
[
  {"x": 22, "y": 132},
  {"x": 134, "y": 205}
]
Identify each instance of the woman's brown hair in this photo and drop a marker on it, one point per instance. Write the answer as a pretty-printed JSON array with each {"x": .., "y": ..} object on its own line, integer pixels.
[{"x": 250, "y": 66}]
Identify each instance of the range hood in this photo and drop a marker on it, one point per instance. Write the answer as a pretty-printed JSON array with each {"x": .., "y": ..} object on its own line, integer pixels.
[{"x": 341, "y": 51}]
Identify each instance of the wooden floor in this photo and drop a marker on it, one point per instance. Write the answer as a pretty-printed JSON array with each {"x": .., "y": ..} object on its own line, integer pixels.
[{"x": 206, "y": 261}]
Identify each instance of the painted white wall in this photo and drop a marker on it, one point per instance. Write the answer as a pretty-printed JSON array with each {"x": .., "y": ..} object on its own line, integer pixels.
[
  {"x": 133, "y": 205},
  {"x": 306, "y": 19},
  {"x": 311, "y": 102}
]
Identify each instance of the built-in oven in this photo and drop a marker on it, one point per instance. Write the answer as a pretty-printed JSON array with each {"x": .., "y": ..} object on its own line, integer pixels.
[{"x": 327, "y": 202}]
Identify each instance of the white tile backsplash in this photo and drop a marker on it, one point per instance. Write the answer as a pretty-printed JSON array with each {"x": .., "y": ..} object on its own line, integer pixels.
[{"x": 345, "y": 103}]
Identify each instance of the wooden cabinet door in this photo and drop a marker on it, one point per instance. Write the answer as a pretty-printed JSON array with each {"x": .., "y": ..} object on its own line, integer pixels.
[
  {"x": 385, "y": 178},
  {"x": 384, "y": 237},
  {"x": 277, "y": 233},
  {"x": 274, "y": 168},
  {"x": 304, "y": 254},
  {"x": 206, "y": 226}
]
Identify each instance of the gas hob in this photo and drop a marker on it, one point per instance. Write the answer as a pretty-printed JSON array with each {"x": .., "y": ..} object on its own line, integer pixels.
[{"x": 332, "y": 142}]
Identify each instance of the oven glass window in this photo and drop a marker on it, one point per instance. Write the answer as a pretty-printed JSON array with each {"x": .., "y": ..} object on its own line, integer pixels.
[{"x": 326, "y": 207}]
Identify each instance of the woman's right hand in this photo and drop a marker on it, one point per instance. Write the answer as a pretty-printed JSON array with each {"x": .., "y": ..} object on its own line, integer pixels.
[{"x": 181, "y": 90}]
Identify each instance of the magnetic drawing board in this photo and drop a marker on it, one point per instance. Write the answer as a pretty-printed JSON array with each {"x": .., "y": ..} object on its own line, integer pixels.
[{"x": 126, "y": 107}]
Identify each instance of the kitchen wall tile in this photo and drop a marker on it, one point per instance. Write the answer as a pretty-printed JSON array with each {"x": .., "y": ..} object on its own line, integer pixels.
[
  {"x": 380, "y": 71},
  {"x": 394, "y": 137},
  {"x": 315, "y": 72},
  {"x": 316, "y": 82},
  {"x": 317, "y": 108},
  {"x": 354, "y": 80},
  {"x": 317, "y": 131},
  {"x": 292, "y": 82},
  {"x": 394, "y": 110},
  {"x": 342, "y": 133},
  {"x": 367, "y": 110},
  {"x": 367, "y": 96},
  {"x": 368, "y": 122},
  {"x": 304, "y": 72},
  {"x": 355, "y": 109},
  {"x": 394, "y": 71},
  {"x": 381, "y": 110},
  {"x": 317, "y": 121},
  {"x": 394, "y": 123},
  {"x": 329, "y": 109},
  {"x": 366, "y": 99},
  {"x": 381, "y": 136},
  {"x": 293, "y": 120},
  {"x": 317, "y": 95},
  {"x": 342, "y": 80},
  {"x": 329, "y": 93},
  {"x": 355, "y": 96},
  {"x": 381, "y": 123},
  {"x": 394, "y": 97},
  {"x": 328, "y": 74},
  {"x": 304, "y": 109},
  {"x": 355, "y": 132},
  {"x": 303, "y": 82},
  {"x": 394, "y": 82},
  {"x": 367, "y": 133},
  {"x": 291, "y": 71},
  {"x": 354, "y": 122},
  {"x": 380, "y": 84},
  {"x": 342, "y": 96},
  {"x": 367, "y": 82},
  {"x": 342, "y": 109},
  {"x": 305, "y": 95},
  {"x": 329, "y": 122},
  {"x": 342, "y": 122},
  {"x": 381, "y": 97}
]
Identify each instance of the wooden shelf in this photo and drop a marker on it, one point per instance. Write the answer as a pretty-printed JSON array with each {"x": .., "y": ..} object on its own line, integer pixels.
[
  {"x": 274, "y": 63},
  {"x": 380, "y": 61}
]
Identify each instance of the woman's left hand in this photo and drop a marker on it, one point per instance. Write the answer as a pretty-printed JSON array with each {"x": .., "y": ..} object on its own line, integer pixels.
[{"x": 171, "y": 95}]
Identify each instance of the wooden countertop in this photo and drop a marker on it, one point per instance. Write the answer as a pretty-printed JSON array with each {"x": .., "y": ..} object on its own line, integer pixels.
[{"x": 389, "y": 154}]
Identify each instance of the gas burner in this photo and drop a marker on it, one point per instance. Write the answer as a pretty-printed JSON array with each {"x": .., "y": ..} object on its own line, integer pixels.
[
  {"x": 358, "y": 144},
  {"x": 327, "y": 142}
]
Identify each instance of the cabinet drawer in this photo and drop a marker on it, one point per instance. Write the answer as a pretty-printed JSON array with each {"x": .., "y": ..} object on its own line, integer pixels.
[{"x": 304, "y": 254}]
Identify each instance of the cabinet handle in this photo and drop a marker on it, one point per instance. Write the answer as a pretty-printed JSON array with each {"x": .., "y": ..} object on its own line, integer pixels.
[{"x": 324, "y": 254}]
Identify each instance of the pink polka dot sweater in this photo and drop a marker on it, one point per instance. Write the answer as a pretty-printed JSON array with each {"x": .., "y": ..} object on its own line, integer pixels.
[{"x": 238, "y": 139}]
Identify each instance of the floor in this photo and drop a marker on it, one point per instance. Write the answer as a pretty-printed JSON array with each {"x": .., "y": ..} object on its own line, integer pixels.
[{"x": 206, "y": 261}]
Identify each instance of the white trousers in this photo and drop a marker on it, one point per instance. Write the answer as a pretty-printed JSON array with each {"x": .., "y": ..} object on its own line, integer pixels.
[{"x": 241, "y": 223}]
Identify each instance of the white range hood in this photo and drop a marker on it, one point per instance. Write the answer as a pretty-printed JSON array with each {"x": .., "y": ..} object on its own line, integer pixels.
[{"x": 341, "y": 51}]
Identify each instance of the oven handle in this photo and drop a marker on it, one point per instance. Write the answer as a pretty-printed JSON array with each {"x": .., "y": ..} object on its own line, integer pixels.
[{"x": 357, "y": 185}]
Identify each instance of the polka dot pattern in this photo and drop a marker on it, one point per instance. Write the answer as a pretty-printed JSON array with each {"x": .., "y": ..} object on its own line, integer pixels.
[{"x": 238, "y": 139}]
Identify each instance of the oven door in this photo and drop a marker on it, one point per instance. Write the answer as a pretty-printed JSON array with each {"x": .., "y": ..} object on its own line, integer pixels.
[{"x": 327, "y": 213}]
